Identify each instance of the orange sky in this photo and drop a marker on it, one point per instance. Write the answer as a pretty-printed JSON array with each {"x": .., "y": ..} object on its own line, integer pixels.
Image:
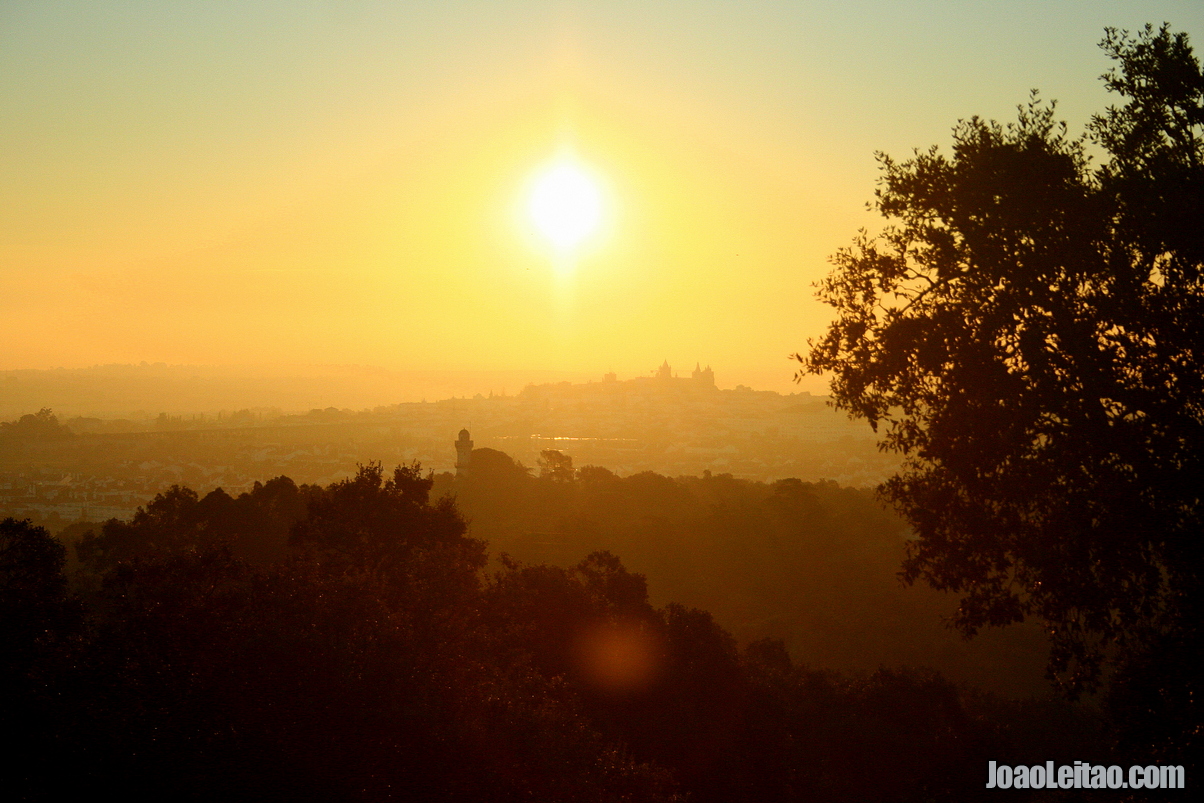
[{"x": 340, "y": 182}]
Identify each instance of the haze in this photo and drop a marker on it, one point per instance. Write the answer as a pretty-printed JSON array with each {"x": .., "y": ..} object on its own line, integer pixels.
[{"x": 341, "y": 183}]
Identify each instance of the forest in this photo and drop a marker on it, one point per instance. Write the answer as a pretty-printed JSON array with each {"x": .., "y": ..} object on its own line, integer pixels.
[
  {"x": 356, "y": 642},
  {"x": 812, "y": 564}
]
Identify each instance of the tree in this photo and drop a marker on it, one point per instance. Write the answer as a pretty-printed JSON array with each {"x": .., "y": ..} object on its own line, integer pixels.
[
  {"x": 1027, "y": 330},
  {"x": 43, "y": 426},
  {"x": 256, "y": 525},
  {"x": 38, "y": 620},
  {"x": 388, "y": 526},
  {"x": 556, "y": 466},
  {"x": 33, "y": 590}
]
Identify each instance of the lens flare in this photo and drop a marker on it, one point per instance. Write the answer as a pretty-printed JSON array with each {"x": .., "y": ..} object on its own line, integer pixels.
[{"x": 619, "y": 656}]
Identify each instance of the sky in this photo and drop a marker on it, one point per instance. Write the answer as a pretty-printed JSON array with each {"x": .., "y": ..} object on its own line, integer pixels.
[{"x": 346, "y": 183}]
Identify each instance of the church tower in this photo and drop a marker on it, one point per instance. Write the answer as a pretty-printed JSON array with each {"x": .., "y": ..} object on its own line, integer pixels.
[
  {"x": 463, "y": 453},
  {"x": 703, "y": 377}
]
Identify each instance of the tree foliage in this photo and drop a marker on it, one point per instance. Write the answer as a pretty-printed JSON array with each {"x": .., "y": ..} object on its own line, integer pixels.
[
  {"x": 255, "y": 525},
  {"x": 555, "y": 465},
  {"x": 1027, "y": 330},
  {"x": 373, "y": 660},
  {"x": 41, "y": 426},
  {"x": 33, "y": 591},
  {"x": 372, "y": 523}
]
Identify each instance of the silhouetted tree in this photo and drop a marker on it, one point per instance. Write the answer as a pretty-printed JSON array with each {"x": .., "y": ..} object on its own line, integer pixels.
[
  {"x": 38, "y": 619},
  {"x": 358, "y": 667},
  {"x": 34, "y": 605},
  {"x": 1028, "y": 329},
  {"x": 43, "y": 425},
  {"x": 373, "y": 523},
  {"x": 374, "y": 662},
  {"x": 556, "y": 466},
  {"x": 255, "y": 526}
]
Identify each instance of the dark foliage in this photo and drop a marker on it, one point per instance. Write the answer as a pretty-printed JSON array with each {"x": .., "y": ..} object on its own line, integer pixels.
[
  {"x": 255, "y": 526},
  {"x": 39, "y": 623},
  {"x": 33, "y": 590},
  {"x": 813, "y": 564},
  {"x": 40, "y": 426},
  {"x": 374, "y": 661},
  {"x": 1028, "y": 329},
  {"x": 354, "y": 667},
  {"x": 385, "y": 526}
]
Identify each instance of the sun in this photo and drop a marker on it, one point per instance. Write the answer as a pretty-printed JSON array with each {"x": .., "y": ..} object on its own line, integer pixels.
[{"x": 565, "y": 204}]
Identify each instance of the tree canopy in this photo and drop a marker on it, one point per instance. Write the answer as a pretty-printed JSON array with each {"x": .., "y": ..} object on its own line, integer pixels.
[
  {"x": 44, "y": 425},
  {"x": 1027, "y": 330}
]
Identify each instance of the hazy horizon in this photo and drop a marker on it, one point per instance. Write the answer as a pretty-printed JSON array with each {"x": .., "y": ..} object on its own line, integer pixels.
[
  {"x": 349, "y": 183},
  {"x": 119, "y": 390}
]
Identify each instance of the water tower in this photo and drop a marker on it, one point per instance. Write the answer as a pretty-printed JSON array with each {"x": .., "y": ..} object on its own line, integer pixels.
[{"x": 463, "y": 453}]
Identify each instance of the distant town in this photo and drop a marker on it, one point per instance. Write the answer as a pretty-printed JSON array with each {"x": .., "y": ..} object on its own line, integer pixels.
[{"x": 62, "y": 469}]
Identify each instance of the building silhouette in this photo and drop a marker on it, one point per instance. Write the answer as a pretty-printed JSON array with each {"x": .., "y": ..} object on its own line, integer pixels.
[
  {"x": 703, "y": 378},
  {"x": 463, "y": 453}
]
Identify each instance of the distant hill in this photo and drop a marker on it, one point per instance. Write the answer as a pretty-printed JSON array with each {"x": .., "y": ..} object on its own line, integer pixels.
[
  {"x": 147, "y": 389},
  {"x": 135, "y": 391}
]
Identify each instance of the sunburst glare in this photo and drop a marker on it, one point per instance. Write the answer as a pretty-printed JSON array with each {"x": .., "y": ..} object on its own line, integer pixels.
[{"x": 565, "y": 204}]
